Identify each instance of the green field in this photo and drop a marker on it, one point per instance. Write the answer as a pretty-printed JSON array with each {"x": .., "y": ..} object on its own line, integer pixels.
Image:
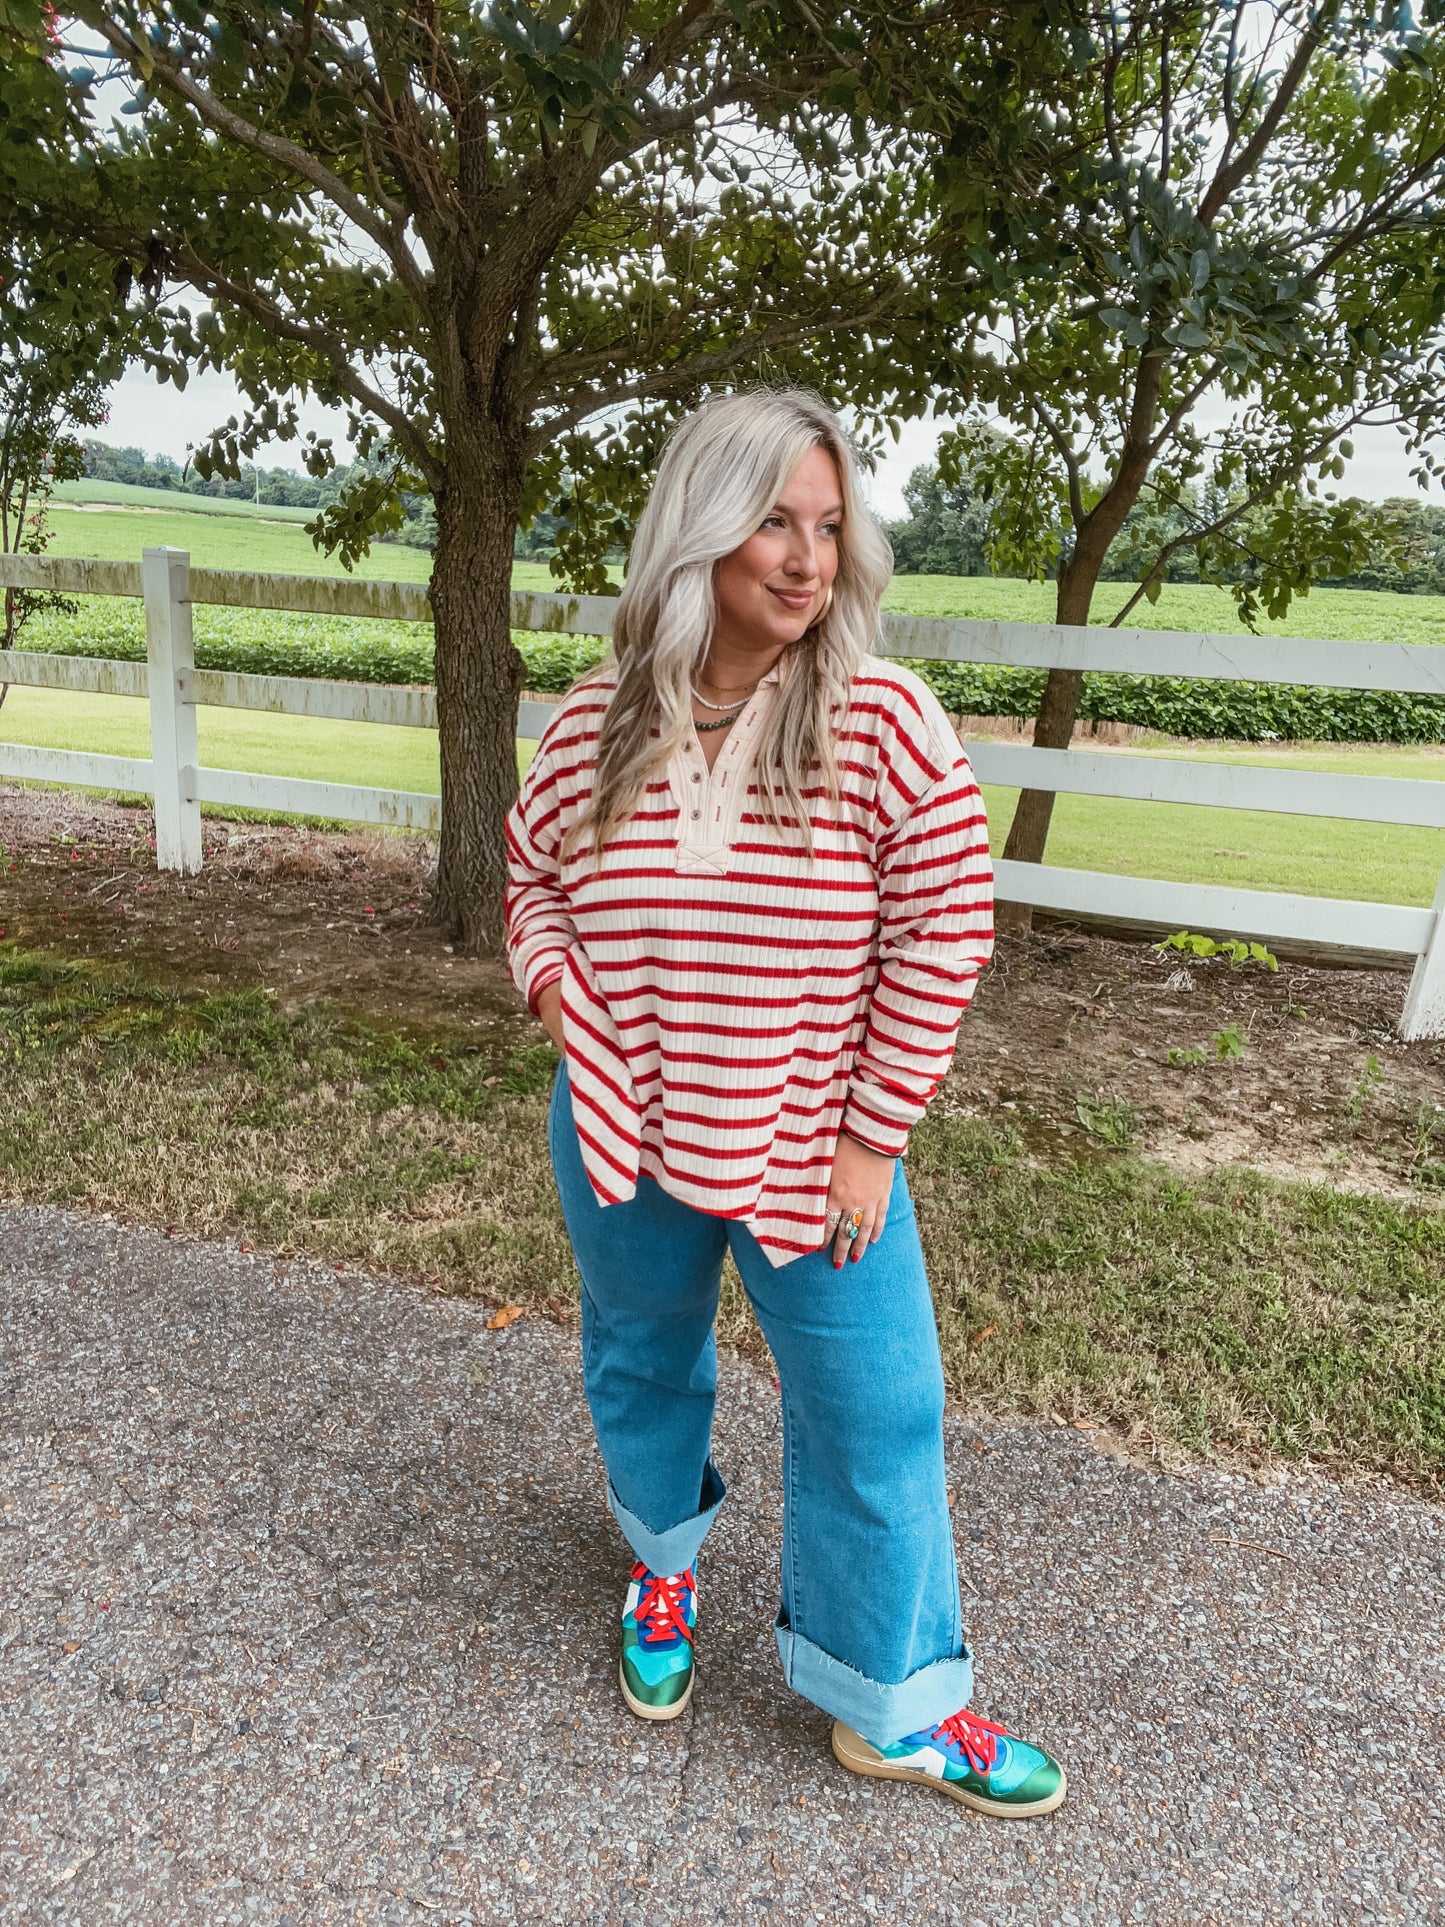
[
  {"x": 222, "y": 541},
  {"x": 133, "y": 495},
  {"x": 1326, "y": 615},
  {"x": 1315, "y": 856}
]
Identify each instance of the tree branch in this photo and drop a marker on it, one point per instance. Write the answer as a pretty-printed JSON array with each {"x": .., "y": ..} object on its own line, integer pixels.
[
  {"x": 689, "y": 373},
  {"x": 1110, "y": 75},
  {"x": 1231, "y": 173},
  {"x": 1253, "y": 500},
  {"x": 1231, "y": 60},
  {"x": 250, "y": 301},
  {"x": 284, "y": 153},
  {"x": 1185, "y": 405},
  {"x": 1069, "y": 456},
  {"x": 1375, "y": 223}
]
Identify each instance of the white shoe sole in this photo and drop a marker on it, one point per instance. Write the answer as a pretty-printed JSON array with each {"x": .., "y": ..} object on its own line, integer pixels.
[
  {"x": 646, "y": 1712},
  {"x": 850, "y": 1749}
]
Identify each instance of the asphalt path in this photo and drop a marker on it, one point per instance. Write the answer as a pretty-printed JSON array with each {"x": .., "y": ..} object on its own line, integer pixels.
[{"x": 308, "y": 1607}]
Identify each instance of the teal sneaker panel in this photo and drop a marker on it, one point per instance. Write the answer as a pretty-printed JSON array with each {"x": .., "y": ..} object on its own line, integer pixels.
[
  {"x": 970, "y": 1752},
  {"x": 650, "y": 1666},
  {"x": 665, "y": 1692}
]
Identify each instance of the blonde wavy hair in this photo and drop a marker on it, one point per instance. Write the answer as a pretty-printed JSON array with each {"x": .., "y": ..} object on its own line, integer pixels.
[{"x": 721, "y": 472}]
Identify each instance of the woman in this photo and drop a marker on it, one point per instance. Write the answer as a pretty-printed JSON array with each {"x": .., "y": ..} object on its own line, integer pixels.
[{"x": 749, "y": 898}]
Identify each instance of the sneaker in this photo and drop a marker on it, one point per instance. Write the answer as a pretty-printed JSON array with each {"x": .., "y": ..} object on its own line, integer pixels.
[
  {"x": 970, "y": 1759},
  {"x": 657, "y": 1621}
]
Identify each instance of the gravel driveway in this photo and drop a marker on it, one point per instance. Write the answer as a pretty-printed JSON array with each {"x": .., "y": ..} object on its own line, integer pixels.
[{"x": 307, "y": 1602}]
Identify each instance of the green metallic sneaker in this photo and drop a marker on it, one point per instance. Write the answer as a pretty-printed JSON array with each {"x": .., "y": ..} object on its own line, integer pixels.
[
  {"x": 657, "y": 1622},
  {"x": 970, "y": 1759}
]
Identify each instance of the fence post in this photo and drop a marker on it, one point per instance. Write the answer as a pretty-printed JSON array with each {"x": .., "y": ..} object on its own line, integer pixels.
[
  {"x": 1424, "y": 1012},
  {"x": 170, "y": 651}
]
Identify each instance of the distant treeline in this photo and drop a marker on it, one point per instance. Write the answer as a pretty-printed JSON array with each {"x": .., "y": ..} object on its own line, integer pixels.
[
  {"x": 284, "y": 488},
  {"x": 945, "y": 532},
  {"x": 280, "y": 487}
]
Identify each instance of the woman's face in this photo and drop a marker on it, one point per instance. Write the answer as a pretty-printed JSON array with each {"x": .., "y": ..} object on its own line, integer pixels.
[{"x": 770, "y": 589}]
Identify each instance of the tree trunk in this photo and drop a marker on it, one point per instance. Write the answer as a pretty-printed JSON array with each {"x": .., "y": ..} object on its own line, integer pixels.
[
  {"x": 1053, "y": 725},
  {"x": 1078, "y": 578},
  {"x": 1058, "y": 709},
  {"x": 478, "y": 674}
]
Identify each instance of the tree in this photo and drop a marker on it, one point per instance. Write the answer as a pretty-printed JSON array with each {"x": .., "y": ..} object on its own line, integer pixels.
[
  {"x": 1236, "y": 260},
  {"x": 61, "y": 345},
  {"x": 511, "y": 241},
  {"x": 947, "y": 528},
  {"x": 1413, "y": 563}
]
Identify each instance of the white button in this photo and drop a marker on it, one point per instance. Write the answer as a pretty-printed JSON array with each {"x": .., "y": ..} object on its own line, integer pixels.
[
  {"x": 696, "y": 814},
  {"x": 697, "y": 776}
]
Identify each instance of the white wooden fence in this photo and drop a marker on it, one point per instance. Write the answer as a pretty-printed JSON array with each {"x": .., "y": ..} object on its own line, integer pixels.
[{"x": 180, "y": 784}]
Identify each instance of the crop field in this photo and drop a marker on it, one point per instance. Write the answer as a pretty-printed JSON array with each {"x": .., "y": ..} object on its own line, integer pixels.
[{"x": 1326, "y": 615}]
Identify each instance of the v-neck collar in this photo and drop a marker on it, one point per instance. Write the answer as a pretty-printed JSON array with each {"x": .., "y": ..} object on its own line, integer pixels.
[{"x": 710, "y": 801}]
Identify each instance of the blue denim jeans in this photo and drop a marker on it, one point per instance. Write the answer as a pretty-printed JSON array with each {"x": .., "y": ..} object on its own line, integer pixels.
[{"x": 869, "y": 1628}]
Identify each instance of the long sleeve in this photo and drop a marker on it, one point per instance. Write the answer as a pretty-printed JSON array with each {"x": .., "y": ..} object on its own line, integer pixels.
[
  {"x": 935, "y": 883},
  {"x": 539, "y": 924}
]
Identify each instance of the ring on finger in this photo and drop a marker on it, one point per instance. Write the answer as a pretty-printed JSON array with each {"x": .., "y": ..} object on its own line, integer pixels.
[
  {"x": 854, "y": 1226},
  {"x": 833, "y": 1217}
]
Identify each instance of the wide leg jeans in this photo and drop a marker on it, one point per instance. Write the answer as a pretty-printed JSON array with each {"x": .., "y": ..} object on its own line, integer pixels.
[{"x": 869, "y": 1627}]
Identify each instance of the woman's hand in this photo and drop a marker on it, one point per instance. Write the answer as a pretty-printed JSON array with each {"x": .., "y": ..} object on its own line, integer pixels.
[
  {"x": 549, "y": 1009},
  {"x": 862, "y": 1181}
]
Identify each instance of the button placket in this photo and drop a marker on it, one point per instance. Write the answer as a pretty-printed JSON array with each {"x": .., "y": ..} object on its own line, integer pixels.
[{"x": 704, "y": 823}]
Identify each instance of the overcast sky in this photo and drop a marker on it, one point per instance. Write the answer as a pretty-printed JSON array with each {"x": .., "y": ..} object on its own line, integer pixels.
[{"x": 162, "y": 419}]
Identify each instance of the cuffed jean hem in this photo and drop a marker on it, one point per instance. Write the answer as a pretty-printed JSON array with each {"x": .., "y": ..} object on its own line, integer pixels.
[
  {"x": 882, "y": 1714},
  {"x": 677, "y": 1548}
]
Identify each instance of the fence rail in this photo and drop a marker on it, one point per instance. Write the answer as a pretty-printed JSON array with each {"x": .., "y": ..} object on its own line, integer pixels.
[{"x": 174, "y": 687}]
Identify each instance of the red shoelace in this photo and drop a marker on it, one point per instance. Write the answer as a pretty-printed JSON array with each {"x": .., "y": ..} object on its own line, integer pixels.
[
  {"x": 661, "y": 1608},
  {"x": 978, "y": 1738}
]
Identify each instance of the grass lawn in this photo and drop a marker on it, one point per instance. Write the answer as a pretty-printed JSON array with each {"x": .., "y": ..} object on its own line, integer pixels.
[
  {"x": 246, "y": 739},
  {"x": 1316, "y": 856},
  {"x": 1225, "y": 1314},
  {"x": 133, "y": 495}
]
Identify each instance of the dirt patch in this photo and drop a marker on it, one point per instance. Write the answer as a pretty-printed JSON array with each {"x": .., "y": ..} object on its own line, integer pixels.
[
  {"x": 311, "y": 914},
  {"x": 1070, "y": 1037},
  {"x": 1298, "y": 1073}
]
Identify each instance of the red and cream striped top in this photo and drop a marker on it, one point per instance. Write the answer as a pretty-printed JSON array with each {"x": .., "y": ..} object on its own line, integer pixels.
[{"x": 727, "y": 1008}]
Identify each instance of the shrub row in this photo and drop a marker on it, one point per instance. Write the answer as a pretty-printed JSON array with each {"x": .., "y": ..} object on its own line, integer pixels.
[
  {"x": 553, "y": 662},
  {"x": 1177, "y": 705},
  {"x": 1249, "y": 712}
]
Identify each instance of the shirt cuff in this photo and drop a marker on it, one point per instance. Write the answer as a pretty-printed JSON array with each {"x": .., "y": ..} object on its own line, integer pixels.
[
  {"x": 872, "y": 1130},
  {"x": 545, "y": 974}
]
